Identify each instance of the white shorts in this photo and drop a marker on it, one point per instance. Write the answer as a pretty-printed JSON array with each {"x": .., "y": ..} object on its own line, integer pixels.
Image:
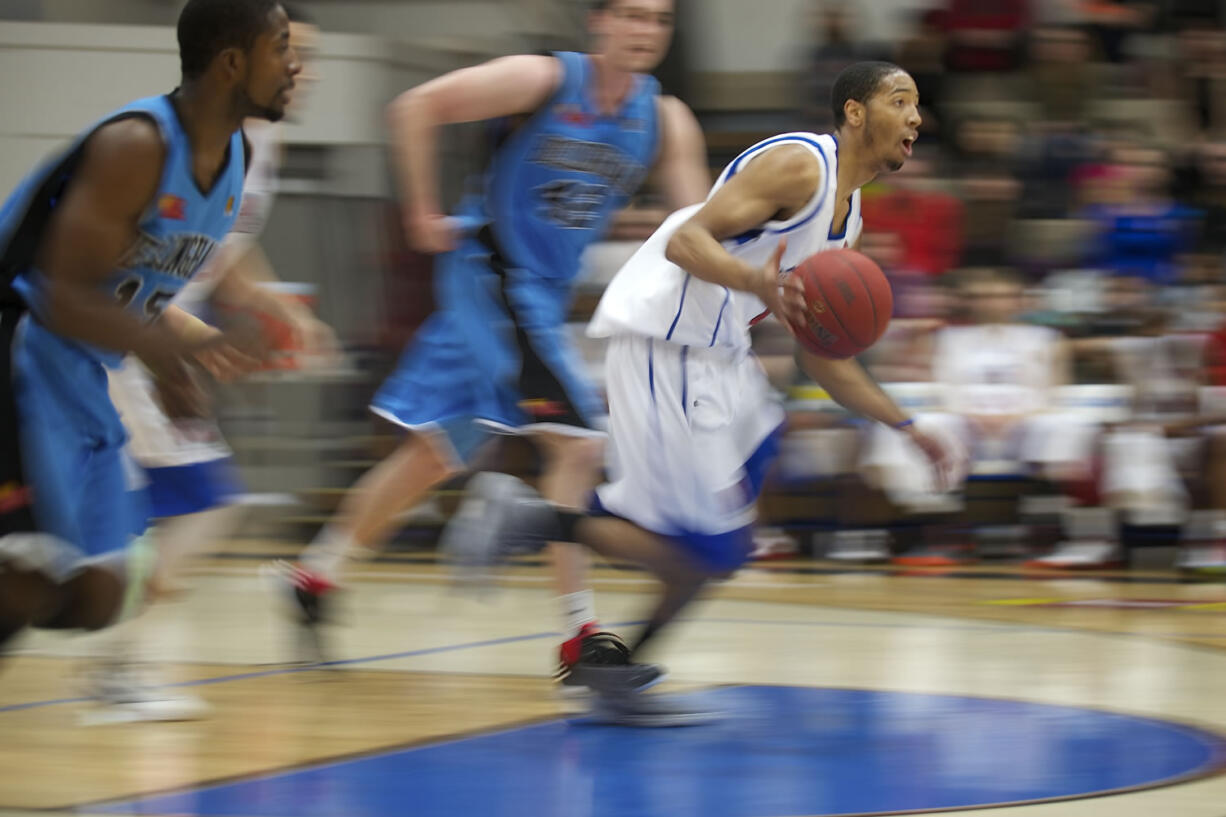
[
  {"x": 690, "y": 434},
  {"x": 154, "y": 440}
]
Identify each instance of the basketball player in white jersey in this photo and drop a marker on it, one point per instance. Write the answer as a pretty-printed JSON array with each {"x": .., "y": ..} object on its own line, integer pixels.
[
  {"x": 692, "y": 421},
  {"x": 191, "y": 477}
]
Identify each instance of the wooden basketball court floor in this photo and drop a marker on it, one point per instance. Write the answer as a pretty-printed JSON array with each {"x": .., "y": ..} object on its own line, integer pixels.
[{"x": 968, "y": 678}]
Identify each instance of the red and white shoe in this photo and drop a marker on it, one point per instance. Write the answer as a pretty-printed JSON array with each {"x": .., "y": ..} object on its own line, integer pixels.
[
  {"x": 600, "y": 660},
  {"x": 309, "y": 596}
]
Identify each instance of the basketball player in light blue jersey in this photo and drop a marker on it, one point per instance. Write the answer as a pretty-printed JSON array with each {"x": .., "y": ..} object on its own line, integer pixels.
[
  {"x": 96, "y": 243},
  {"x": 588, "y": 129}
]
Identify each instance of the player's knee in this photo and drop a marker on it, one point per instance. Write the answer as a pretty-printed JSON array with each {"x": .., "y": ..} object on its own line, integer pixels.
[
  {"x": 90, "y": 600},
  {"x": 577, "y": 454},
  {"x": 429, "y": 457}
]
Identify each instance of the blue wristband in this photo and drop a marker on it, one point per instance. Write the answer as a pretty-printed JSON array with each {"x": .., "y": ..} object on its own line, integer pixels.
[{"x": 910, "y": 421}]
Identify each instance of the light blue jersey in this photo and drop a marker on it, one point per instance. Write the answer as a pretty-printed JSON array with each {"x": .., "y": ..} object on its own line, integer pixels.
[
  {"x": 497, "y": 349},
  {"x": 559, "y": 177},
  {"x": 71, "y": 435},
  {"x": 182, "y": 227}
]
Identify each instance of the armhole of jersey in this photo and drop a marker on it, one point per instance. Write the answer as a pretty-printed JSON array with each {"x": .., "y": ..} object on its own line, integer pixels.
[
  {"x": 151, "y": 208},
  {"x": 248, "y": 152},
  {"x": 855, "y": 223},
  {"x": 517, "y": 122},
  {"x": 814, "y": 204},
  {"x": 657, "y": 127},
  {"x": 18, "y": 248}
]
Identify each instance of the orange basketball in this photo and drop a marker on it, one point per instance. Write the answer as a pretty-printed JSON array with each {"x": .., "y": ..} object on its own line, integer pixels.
[{"x": 848, "y": 303}]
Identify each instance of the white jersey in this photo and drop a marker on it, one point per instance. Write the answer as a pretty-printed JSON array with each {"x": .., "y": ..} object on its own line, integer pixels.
[
  {"x": 653, "y": 297},
  {"x": 1002, "y": 369},
  {"x": 259, "y": 192}
]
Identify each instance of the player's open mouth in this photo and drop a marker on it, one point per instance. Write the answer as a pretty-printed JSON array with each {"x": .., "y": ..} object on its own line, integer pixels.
[{"x": 907, "y": 142}]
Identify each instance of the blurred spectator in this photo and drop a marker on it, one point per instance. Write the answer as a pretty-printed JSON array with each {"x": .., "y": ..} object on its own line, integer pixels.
[
  {"x": 995, "y": 380},
  {"x": 1051, "y": 159},
  {"x": 1202, "y": 185},
  {"x": 931, "y": 245},
  {"x": 1200, "y": 74},
  {"x": 986, "y": 160},
  {"x": 985, "y": 35},
  {"x": 1112, "y": 22},
  {"x": 1142, "y": 235},
  {"x": 834, "y": 48},
  {"x": 922, "y": 53},
  {"x": 1061, "y": 73}
]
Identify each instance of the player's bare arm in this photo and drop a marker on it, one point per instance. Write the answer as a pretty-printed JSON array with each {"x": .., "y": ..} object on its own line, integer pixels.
[
  {"x": 240, "y": 286},
  {"x": 91, "y": 229},
  {"x": 682, "y": 165},
  {"x": 849, "y": 385},
  {"x": 501, "y": 87},
  {"x": 773, "y": 186}
]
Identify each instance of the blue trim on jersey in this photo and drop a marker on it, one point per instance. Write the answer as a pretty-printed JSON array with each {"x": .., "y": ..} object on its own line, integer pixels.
[
  {"x": 750, "y": 235},
  {"x": 685, "y": 383},
  {"x": 818, "y": 207},
  {"x": 651, "y": 368},
  {"x": 680, "y": 306},
  {"x": 736, "y": 163},
  {"x": 720, "y": 317}
]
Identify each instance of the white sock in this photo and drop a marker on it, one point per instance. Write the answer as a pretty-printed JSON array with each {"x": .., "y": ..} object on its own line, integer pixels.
[
  {"x": 326, "y": 556},
  {"x": 577, "y": 609}
]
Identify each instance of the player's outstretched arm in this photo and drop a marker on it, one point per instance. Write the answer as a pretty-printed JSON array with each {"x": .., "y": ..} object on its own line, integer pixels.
[
  {"x": 501, "y": 87},
  {"x": 849, "y": 385},
  {"x": 773, "y": 186},
  {"x": 90, "y": 230}
]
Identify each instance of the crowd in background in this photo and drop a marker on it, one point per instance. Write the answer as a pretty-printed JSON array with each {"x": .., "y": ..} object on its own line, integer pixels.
[{"x": 1056, "y": 249}]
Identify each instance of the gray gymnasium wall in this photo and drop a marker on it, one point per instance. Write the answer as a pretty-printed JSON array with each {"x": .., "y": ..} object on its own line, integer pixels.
[{"x": 329, "y": 228}]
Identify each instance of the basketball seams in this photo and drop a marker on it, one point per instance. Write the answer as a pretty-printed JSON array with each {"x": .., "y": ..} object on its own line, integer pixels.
[
  {"x": 872, "y": 301},
  {"x": 817, "y": 280},
  {"x": 838, "y": 255}
]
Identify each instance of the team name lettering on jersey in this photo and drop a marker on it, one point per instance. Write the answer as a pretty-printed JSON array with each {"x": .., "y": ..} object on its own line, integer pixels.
[
  {"x": 179, "y": 256},
  {"x": 607, "y": 161}
]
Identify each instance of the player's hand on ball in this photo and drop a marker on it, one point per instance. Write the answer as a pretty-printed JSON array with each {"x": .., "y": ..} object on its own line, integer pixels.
[{"x": 783, "y": 296}]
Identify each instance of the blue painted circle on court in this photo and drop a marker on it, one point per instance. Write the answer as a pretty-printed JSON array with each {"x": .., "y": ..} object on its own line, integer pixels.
[{"x": 778, "y": 751}]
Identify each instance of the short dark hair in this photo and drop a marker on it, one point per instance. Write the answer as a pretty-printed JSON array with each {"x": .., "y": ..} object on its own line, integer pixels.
[
  {"x": 208, "y": 27},
  {"x": 857, "y": 81}
]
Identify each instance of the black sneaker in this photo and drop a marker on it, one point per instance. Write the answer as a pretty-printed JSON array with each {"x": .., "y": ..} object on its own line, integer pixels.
[{"x": 600, "y": 660}]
